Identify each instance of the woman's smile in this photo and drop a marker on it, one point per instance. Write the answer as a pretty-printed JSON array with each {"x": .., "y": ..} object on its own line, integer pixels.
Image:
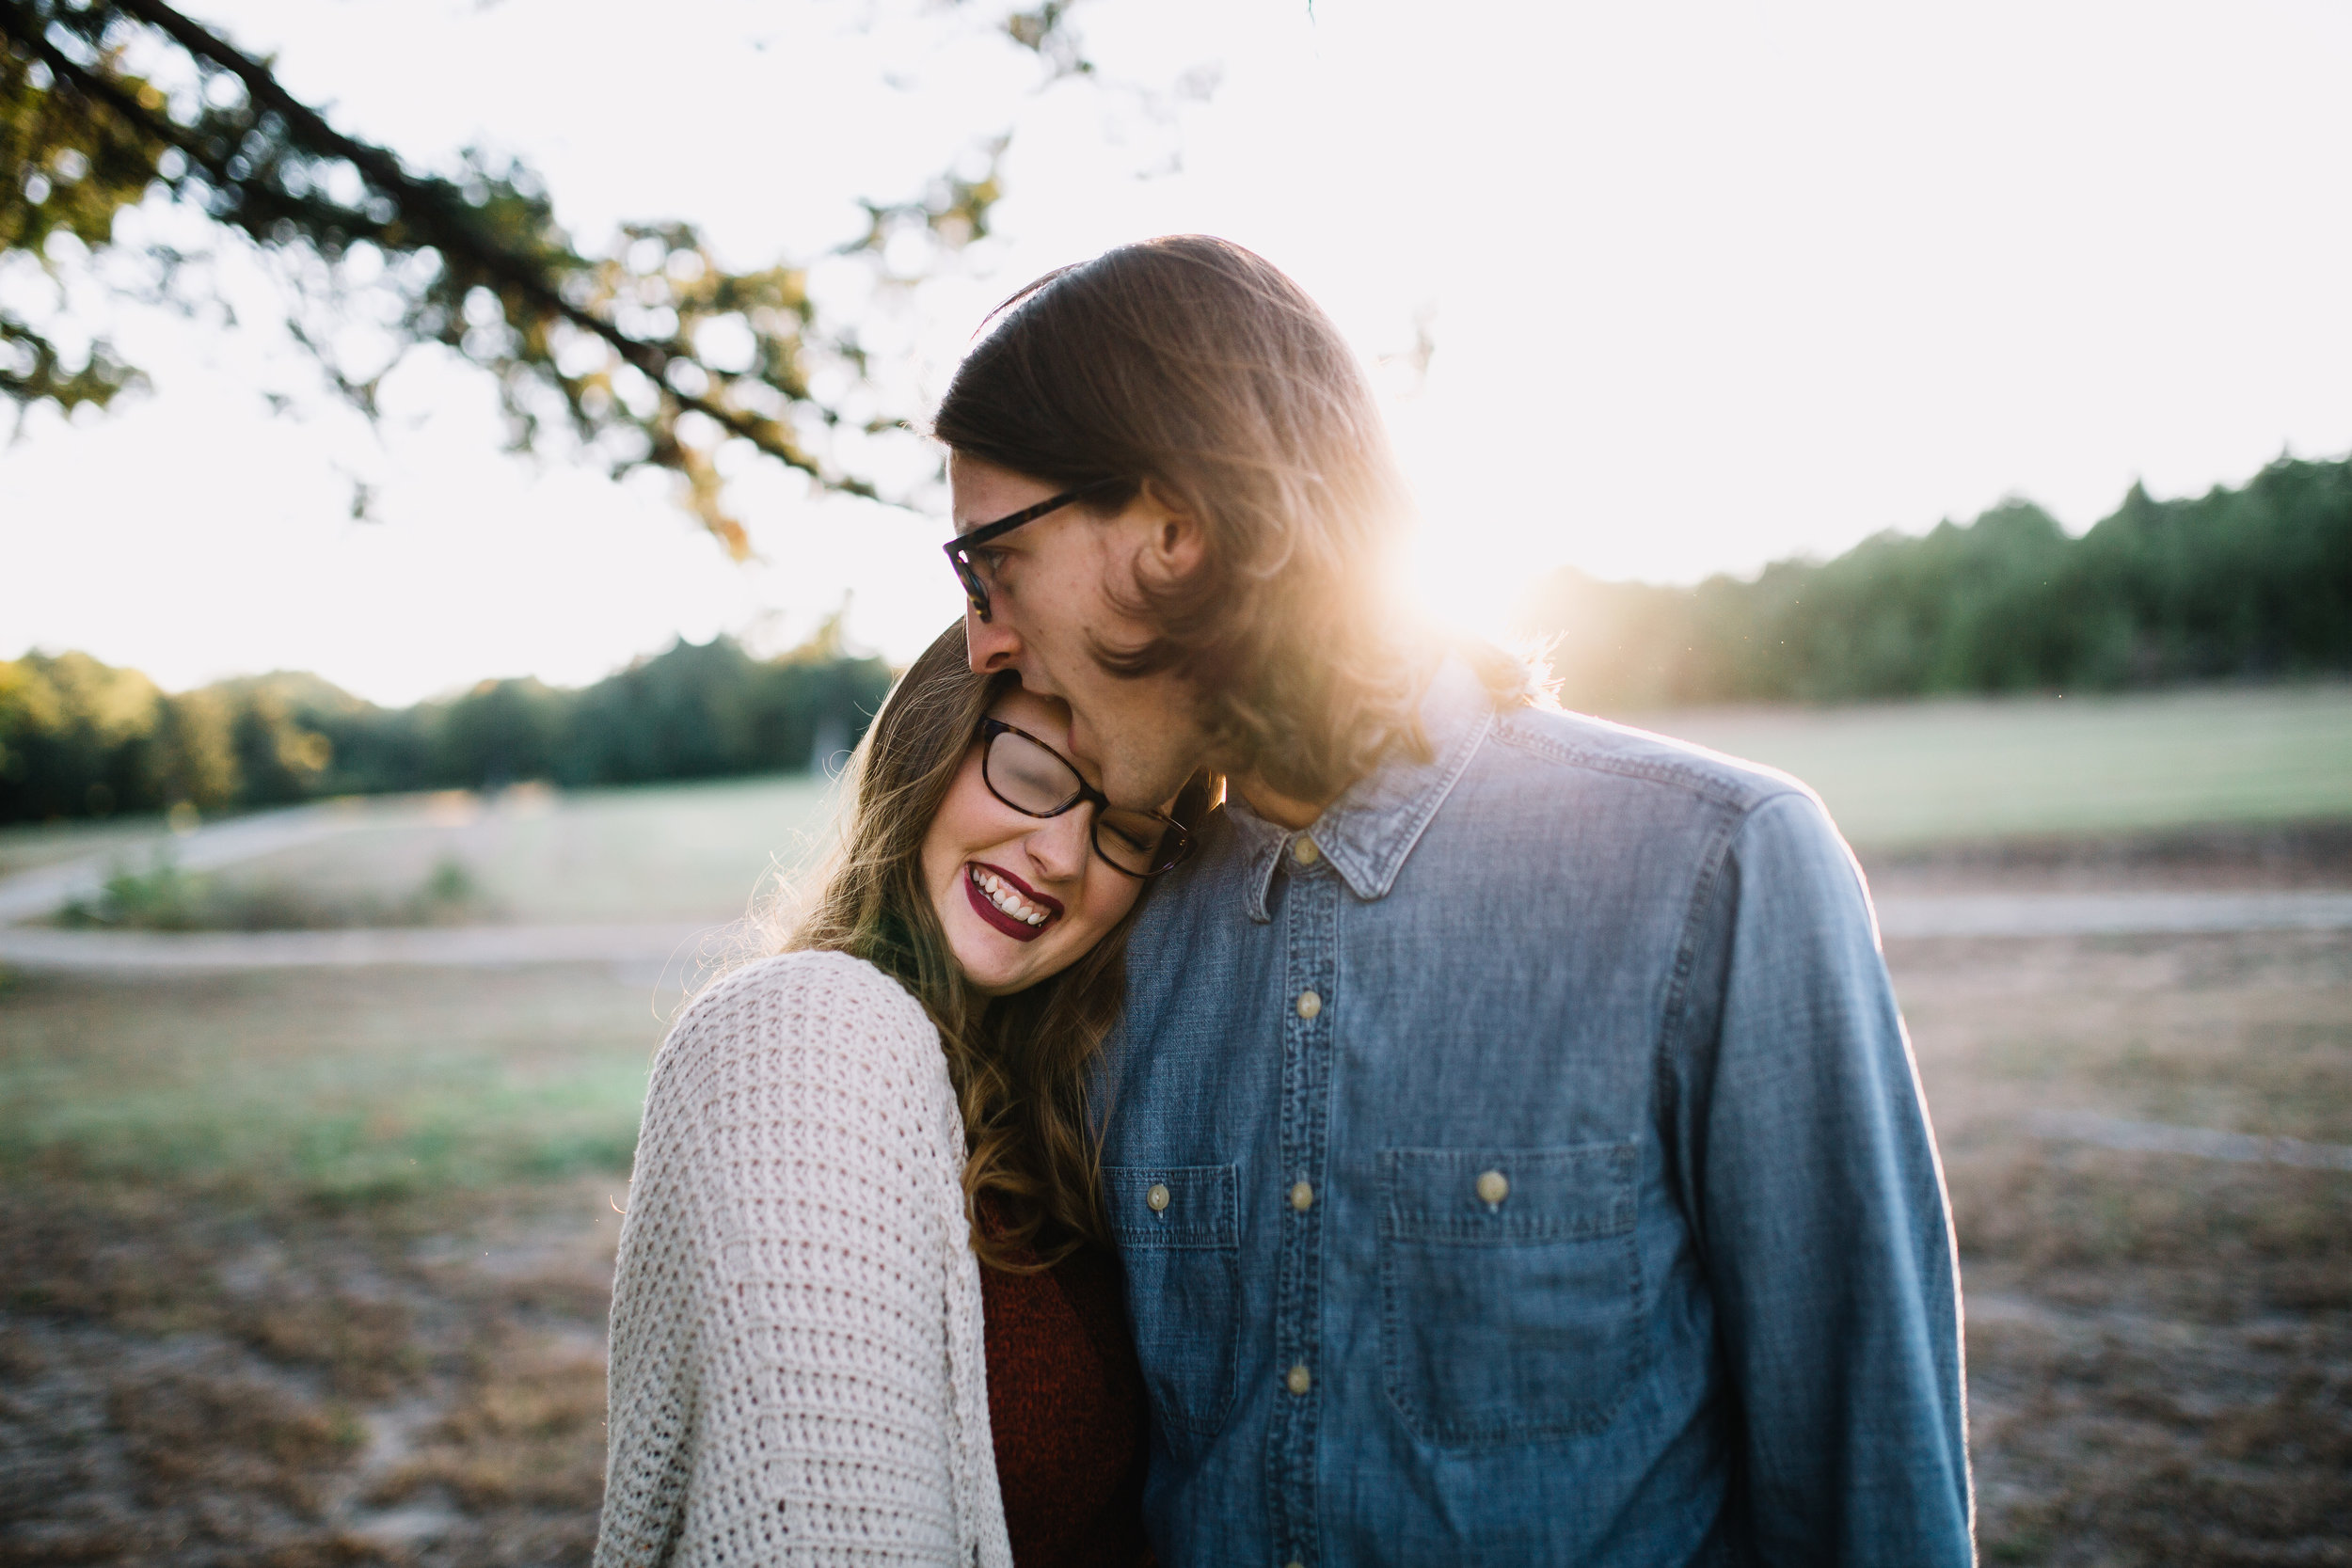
[{"x": 1008, "y": 903}]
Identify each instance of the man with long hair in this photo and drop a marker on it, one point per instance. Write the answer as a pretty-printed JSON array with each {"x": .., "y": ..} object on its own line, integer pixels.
[{"x": 1514, "y": 1153}]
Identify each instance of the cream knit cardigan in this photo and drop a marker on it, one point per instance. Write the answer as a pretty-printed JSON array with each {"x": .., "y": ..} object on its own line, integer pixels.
[{"x": 798, "y": 1372}]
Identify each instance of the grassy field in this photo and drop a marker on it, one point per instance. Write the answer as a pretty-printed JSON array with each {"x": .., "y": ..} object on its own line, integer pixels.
[
  {"x": 1897, "y": 777},
  {"x": 1907, "y": 774},
  {"x": 696, "y": 851},
  {"x": 349, "y": 1086}
]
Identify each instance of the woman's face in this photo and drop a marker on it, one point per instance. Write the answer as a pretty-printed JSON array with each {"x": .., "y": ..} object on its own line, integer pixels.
[{"x": 991, "y": 871}]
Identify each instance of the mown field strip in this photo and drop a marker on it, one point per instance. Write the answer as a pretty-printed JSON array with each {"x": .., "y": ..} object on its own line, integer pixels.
[
  {"x": 1899, "y": 775},
  {"x": 31, "y": 893}
]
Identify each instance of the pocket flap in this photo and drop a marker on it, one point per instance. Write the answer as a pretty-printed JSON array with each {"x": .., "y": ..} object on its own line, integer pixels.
[
  {"x": 1538, "y": 1195},
  {"x": 1173, "y": 1206}
]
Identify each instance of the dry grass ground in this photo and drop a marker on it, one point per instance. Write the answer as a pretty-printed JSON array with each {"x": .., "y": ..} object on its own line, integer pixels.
[
  {"x": 311, "y": 1268},
  {"x": 2160, "y": 1346}
]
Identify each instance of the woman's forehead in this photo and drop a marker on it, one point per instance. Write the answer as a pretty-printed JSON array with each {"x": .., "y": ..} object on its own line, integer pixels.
[{"x": 1046, "y": 717}]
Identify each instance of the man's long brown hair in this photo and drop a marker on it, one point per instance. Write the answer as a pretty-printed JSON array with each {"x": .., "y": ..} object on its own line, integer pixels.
[
  {"x": 1193, "y": 366},
  {"x": 1020, "y": 1064}
]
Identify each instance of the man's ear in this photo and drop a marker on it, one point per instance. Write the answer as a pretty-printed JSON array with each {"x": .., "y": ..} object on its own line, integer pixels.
[{"x": 1173, "y": 543}]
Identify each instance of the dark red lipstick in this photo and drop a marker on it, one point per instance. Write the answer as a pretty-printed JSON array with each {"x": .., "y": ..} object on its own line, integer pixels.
[{"x": 1020, "y": 930}]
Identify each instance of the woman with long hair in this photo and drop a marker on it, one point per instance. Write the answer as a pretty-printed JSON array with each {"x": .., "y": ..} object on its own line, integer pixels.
[{"x": 865, "y": 1310}]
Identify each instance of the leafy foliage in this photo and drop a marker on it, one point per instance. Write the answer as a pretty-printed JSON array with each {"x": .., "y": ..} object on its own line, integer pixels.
[
  {"x": 651, "y": 354},
  {"x": 2255, "y": 582},
  {"x": 78, "y": 737}
]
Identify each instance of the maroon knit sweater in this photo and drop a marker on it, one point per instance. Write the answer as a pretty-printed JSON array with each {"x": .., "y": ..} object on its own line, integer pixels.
[{"x": 1065, "y": 1405}]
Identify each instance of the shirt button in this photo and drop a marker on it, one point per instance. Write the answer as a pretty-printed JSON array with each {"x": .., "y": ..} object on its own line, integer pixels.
[
  {"x": 1308, "y": 1004},
  {"x": 1303, "y": 850},
  {"x": 1157, "y": 1196},
  {"x": 1299, "y": 1380},
  {"x": 1302, "y": 1197},
  {"x": 1493, "y": 1187}
]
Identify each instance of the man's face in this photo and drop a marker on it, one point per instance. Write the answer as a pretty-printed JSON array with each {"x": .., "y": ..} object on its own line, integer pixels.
[{"x": 1051, "y": 601}]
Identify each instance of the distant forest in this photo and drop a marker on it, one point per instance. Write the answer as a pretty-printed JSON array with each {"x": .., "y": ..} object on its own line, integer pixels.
[
  {"x": 81, "y": 739},
  {"x": 2247, "y": 584}
]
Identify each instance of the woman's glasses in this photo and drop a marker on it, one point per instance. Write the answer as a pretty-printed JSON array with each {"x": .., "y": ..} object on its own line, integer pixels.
[
  {"x": 964, "y": 547},
  {"x": 1037, "y": 780}
]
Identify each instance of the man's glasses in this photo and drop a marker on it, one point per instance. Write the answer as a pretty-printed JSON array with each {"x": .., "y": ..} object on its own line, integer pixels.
[
  {"x": 1037, "y": 780},
  {"x": 963, "y": 546}
]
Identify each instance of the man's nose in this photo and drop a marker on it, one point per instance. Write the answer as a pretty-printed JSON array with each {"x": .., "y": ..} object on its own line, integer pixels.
[
  {"x": 994, "y": 644},
  {"x": 1059, "y": 845}
]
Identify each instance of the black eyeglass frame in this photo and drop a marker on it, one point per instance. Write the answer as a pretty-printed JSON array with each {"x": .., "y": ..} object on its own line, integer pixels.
[
  {"x": 960, "y": 548},
  {"x": 1175, "y": 843}
]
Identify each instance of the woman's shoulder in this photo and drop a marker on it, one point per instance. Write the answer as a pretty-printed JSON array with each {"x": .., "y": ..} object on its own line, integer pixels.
[
  {"x": 809, "y": 982},
  {"x": 803, "y": 1016}
]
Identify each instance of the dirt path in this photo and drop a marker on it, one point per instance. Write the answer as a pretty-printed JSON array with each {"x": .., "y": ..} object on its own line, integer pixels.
[
  {"x": 2034, "y": 915},
  {"x": 2099, "y": 914},
  {"x": 454, "y": 947}
]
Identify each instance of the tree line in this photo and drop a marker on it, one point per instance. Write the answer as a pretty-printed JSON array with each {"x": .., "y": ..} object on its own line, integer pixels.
[
  {"x": 80, "y": 738},
  {"x": 2237, "y": 584},
  {"x": 2250, "y": 584}
]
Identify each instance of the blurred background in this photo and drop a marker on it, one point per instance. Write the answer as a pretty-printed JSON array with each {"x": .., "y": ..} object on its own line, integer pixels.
[{"x": 468, "y": 497}]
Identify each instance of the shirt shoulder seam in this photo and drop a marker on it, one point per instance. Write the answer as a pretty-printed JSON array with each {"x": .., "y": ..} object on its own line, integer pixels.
[{"x": 1742, "y": 801}]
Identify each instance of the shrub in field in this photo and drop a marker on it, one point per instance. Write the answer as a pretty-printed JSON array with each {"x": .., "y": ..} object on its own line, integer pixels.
[{"x": 166, "y": 897}]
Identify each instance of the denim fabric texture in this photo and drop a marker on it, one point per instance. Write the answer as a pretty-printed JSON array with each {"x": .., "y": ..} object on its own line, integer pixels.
[{"x": 1534, "y": 1171}]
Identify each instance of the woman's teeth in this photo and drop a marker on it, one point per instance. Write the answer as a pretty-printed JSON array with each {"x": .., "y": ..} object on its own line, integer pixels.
[{"x": 1002, "y": 895}]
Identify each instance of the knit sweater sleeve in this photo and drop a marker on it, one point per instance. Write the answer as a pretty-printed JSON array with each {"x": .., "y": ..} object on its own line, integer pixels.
[{"x": 796, "y": 1370}]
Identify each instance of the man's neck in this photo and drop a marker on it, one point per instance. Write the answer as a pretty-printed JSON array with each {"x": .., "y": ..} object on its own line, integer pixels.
[{"x": 1284, "y": 811}]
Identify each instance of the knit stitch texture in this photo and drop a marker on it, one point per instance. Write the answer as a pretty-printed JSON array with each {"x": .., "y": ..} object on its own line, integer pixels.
[{"x": 798, "y": 1364}]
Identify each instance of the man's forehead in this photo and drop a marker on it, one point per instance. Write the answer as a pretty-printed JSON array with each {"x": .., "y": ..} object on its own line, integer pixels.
[{"x": 981, "y": 493}]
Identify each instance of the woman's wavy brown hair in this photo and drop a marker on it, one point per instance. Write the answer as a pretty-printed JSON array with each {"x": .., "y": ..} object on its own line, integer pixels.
[{"x": 1020, "y": 1064}]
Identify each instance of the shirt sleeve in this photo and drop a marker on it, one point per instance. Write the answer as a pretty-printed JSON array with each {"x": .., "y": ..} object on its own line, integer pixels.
[{"x": 1819, "y": 1206}]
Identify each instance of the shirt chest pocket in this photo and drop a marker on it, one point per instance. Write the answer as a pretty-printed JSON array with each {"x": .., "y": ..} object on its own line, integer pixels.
[
  {"x": 1511, "y": 1290},
  {"x": 1179, "y": 1240}
]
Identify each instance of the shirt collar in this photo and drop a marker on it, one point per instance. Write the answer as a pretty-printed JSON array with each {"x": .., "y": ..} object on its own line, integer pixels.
[{"x": 1369, "y": 831}]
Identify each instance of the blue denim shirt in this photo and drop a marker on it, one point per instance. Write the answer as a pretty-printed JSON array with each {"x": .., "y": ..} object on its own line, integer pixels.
[{"x": 1526, "y": 1164}]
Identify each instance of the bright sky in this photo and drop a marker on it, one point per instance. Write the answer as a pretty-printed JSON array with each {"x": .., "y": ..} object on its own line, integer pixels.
[{"x": 1712, "y": 284}]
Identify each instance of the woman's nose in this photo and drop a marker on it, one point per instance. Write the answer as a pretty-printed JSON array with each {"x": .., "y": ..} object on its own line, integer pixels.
[{"x": 1059, "y": 845}]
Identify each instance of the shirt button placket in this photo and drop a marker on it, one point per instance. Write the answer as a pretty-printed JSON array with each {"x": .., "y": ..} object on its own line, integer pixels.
[{"x": 1311, "y": 935}]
